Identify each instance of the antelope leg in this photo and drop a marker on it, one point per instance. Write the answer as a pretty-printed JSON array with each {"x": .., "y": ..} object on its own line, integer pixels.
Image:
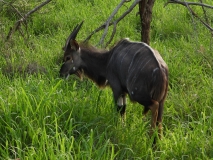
[
  {"x": 154, "y": 113},
  {"x": 159, "y": 119},
  {"x": 121, "y": 107}
]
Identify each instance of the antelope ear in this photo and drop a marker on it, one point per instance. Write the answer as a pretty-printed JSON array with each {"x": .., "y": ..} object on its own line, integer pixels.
[{"x": 74, "y": 45}]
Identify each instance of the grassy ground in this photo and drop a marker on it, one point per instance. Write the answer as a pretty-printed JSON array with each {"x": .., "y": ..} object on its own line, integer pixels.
[{"x": 45, "y": 117}]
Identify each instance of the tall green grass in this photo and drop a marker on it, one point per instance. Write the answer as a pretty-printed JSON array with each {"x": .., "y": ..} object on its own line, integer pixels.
[{"x": 45, "y": 117}]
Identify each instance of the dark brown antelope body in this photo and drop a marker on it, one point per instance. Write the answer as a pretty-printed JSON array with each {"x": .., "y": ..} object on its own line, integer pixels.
[{"x": 132, "y": 68}]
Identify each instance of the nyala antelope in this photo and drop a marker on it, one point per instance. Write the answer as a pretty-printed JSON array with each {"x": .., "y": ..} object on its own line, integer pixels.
[{"x": 132, "y": 68}]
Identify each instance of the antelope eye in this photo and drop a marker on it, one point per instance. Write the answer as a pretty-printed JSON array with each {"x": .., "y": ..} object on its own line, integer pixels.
[{"x": 67, "y": 58}]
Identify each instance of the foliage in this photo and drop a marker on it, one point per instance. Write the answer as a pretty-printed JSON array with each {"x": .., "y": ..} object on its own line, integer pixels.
[{"x": 45, "y": 117}]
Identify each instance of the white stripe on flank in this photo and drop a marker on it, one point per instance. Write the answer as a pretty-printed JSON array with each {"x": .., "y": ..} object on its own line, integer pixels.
[
  {"x": 136, "y": 52},
  {"x": 152, "y": 50},
  {"x": 136, "y": 74}
]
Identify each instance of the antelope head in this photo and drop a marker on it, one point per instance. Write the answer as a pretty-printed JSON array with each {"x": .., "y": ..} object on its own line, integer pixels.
[{"x": 72, "y": 60}]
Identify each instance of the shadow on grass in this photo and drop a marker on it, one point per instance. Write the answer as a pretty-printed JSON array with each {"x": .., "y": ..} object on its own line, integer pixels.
[{"x": 10, "y": 70}]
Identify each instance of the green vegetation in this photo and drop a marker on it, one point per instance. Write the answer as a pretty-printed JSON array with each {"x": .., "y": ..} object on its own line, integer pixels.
[{"x": 45, "y": 117}]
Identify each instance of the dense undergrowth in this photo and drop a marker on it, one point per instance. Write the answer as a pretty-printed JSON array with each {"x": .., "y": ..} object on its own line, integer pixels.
[{"x": 45, "y": 117}]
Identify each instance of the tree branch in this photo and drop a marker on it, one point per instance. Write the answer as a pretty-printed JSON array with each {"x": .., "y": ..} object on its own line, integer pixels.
[
  {"x": 112, "y": 35},
  {"x": 186, "y": 4},
  {"x": 109, "y": 19},
  {"x": 9, "y": 4},
  {"x": 24, "y": 18},
  {"x": 109, "y": 22},
  {"x": 37, "y": 8},
  {"x": 204, "y": 12},
  {"x": 120, "y": 18}
]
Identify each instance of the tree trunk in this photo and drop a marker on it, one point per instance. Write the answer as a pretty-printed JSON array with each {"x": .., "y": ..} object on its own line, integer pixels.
[{"x": 145, "y": 11}]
